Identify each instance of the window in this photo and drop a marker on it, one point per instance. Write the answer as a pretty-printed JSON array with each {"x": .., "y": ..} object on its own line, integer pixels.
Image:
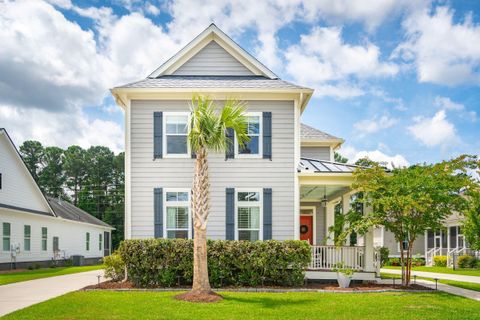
[
  {"x": 26, "y": 237},
  {"x": 87, "y": 243},
  {"x": 6, "y": 236},
  {"x": 177, "y": 208},
  {"x": 175, "y": 143},
  {"x": 99, "y": 242},
  {"x": 249, "y": 215},
  {"x": 56, "y": 244},
  {"x": 0, "y": 181},
  {"x": 253, "y": 148},
  {"x": 44, "y": 238}
]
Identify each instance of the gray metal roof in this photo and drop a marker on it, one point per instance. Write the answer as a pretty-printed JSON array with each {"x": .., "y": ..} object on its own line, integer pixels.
[
  {"x": 310, "y": 133},
  {"x": 194, "y": 82},
  {"x": 322, "y": 166},
  {"x": 66, "y": 210}
]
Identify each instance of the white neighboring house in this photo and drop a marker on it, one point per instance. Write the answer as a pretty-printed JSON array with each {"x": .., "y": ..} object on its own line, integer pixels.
[
  {"x": 36, "y": 229},
  {"x": 283, "y": 185}
]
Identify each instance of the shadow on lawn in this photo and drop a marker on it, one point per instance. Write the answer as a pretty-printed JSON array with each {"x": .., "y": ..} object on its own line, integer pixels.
[{"x": 268, "y": 302}]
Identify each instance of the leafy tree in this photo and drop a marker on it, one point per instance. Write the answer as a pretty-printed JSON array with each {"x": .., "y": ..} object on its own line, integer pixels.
[
  {"x": 409, "y": 201},
  {"x": 75, "y": 170},
  {"x": 51, "y": 176},
  {"x": 339, "y": 158},
  {"x": 32, "y": 154},
  {"x": 208, "y": 133},
  {"x": 471, "y": 228}
]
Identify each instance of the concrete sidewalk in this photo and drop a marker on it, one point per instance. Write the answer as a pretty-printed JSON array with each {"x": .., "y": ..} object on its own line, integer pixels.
[
  {"x": 470, "y": 294},
  {"x": 445, "y": 276},
  {"x": 19, "y": 295}
]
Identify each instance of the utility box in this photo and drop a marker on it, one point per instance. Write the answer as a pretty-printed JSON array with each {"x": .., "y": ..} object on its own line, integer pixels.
[{"x": 78, "y": 260}]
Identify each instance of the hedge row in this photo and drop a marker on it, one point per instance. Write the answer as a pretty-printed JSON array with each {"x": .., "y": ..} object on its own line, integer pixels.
[{"x": 162, "y": 262}]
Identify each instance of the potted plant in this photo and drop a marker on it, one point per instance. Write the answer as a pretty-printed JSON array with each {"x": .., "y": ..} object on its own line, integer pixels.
[{"x": 344, "y": 274}]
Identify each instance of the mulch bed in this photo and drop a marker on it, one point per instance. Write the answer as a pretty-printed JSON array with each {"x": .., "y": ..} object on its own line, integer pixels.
[{"x": 354, "y": 287}]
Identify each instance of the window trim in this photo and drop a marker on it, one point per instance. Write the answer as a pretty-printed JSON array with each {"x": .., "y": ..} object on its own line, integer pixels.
[
  {"x": 188, "y": 204},
  {"x": 260, "y": 139},
  {"x": 249, "y": 204},
  {"x": 100, "y": 242},
  {"x": 44, "y": 239},
  {"x": 29, "y": 238},
  {"x": 164, "y": 135},
  {"x": 5, "y": 237}
]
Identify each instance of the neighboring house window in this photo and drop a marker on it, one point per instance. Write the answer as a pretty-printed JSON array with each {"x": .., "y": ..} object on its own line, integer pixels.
[
  {"x": 99, "y": 242},
  {"x": 0, "y": 181},
  {"x": 6, "y": 236},
  {"x": 87, "y": 243},
  {"x": 252, "y": 148},
  {"x": 56, "y": 244},
  {"x": 27, "y": 230},
  {"x": 177, "y": 207},
  {"x": 249, "y": 215},
  {"x": 175, "y": 134},
  {"x": 44, "y": 238}
]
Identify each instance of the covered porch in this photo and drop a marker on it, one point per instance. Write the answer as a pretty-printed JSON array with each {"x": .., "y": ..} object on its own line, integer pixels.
[{"x": 324, "y": 196}]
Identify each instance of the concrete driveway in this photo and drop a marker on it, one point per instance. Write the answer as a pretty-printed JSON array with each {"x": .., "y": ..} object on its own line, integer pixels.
[{"x": 19, "y": 295}]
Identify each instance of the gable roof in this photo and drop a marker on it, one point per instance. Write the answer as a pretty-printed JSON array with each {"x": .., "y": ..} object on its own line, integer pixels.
[
  {"x": 213, "y": 33},
  {"x": 58, "y": 208},
  {"x": 3, "y": 132},
  {"x": 310, "y": 136},
  {"x": 66, "y": 210}
]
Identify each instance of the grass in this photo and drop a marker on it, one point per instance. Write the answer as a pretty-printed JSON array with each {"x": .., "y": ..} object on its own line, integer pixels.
[
  {"x": 6, "y": 278},
  {"x": 294, "y": 305},
  {"x": 466, "y": 272},
  {"x": 453, "y": 283}
]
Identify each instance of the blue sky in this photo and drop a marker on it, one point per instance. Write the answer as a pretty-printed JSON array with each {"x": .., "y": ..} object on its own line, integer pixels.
[{"x": 398, "y": 80}]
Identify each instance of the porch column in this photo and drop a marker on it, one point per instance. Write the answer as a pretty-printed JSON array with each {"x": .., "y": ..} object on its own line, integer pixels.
[
  {"x": 346, "y": 208},
  {"x": 369, "y": 250},
  {"x": 329, "y": 222}
]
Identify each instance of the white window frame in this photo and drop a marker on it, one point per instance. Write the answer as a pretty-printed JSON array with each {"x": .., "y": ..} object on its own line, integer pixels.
[
  {"x": 164, "y": 136},
  {"x": 260, "y": 139},
  {"x": 42, "y": 239},
  {"x": 100, "y": 241},
  {"x": 249, "y": 204},
  {"x": 29, "y": 238},
  {"x": 87, "y": 241},
  {"x": 177, "y": 204},
  {"x": 9, "y": 237}
]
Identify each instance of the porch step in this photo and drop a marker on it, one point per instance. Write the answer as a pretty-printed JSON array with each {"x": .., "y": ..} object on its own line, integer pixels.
[{"x": 330, "y": 275}]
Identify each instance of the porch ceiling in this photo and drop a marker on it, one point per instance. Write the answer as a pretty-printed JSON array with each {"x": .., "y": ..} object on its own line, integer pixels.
[{"x": 317, "y": 193}]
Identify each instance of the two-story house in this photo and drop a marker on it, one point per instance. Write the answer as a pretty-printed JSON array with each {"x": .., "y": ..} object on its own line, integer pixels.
[{"x": 282, "y": 185}]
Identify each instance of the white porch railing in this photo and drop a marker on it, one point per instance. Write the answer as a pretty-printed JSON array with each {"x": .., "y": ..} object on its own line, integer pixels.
[
  {"x": 326, "y": 257},
  {"x": 430, "y": 254}
]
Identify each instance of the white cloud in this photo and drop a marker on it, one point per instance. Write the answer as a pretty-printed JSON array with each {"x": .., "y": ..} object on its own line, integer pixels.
[
  {"x": 442, "y": 51},
  {"x": 353, "y": 155},
  {"x": 323, "y": 58},
  {"x": 61, "y": 128},
  {"x": 368, "y": 126},
  {"x": 448, "y": 104},
  {"x": 436, "y": 131}
]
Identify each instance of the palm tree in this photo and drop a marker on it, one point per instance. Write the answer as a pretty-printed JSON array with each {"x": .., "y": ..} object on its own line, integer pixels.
[{"x": 208, "y": 132}]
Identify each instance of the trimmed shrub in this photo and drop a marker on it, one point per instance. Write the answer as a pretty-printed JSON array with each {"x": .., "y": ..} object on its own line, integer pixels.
[
  {"x": 467, "y": 261},
  {"x": 384, "y": 252},
  {"x": 114, "y": 267},
  {"x": 394, "y": 262},
  {"x": 418, "y": 262},
  {"x": 168, "y": 262},
  {"x": 440, "y": 261}
]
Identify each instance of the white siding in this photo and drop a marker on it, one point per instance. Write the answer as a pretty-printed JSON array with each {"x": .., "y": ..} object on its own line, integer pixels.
[
  {"x": 72, "y": 236},
  {"x": 392, "y": 245},
  {"x": 213, "y": 60},
  {"x": 278, "y": 174},
  {"x": 18, "y": 188},
  {"x": 319, "y": 153}
]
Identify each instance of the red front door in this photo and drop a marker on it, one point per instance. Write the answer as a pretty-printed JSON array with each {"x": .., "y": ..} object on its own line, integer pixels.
[{"x": 306, "y": 228}]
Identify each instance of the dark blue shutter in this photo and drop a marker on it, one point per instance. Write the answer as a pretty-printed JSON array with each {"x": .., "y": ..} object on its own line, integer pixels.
[
  {"x": 230, "y": 152},
  {"x": 267, "y": 214},
  {"x": 230, "y": 214},
  {"x": 267, "y": 135},
  {"x": 158, "y": 212},
  {"x": 157, "y": 135}
]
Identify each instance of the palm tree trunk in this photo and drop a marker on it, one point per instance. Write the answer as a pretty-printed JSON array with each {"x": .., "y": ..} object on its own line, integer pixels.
[{"x": 200, "y": 208}]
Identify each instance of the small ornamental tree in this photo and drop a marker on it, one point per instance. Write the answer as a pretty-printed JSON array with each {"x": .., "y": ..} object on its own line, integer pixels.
[
  {"x": 471, "y": 228},
  {"x": 409, "y": 201}
]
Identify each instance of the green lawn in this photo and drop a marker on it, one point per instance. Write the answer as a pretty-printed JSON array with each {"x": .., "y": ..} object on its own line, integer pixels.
[
  {"x": 466, "y": 272},
  {"x": 460, "y": 284},
  {"x": 161, "y": 305},
  {"x": 6, "y": 278}
]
